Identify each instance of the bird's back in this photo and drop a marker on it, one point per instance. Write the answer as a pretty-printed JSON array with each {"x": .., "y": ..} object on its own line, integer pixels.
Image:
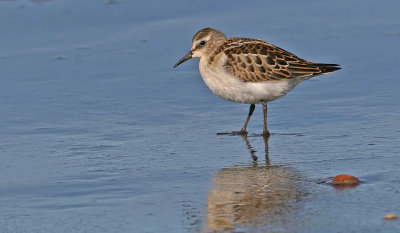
[{"x": 253, "y": 60}]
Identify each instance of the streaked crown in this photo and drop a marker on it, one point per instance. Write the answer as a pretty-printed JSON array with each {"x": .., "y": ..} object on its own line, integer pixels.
[{"x": 206, "y": 40}]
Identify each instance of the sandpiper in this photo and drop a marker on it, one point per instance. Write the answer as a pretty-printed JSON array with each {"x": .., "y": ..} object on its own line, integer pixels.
[{"x": 248, "y": 70}]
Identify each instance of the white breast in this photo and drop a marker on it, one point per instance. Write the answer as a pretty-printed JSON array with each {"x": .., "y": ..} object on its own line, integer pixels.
[{"x": 229, "y": 87}]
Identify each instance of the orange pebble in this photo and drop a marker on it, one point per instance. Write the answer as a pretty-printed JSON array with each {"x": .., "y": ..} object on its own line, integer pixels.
[
  {"x": 345, "y": 179},
  {"x": 390, "y": 216}
]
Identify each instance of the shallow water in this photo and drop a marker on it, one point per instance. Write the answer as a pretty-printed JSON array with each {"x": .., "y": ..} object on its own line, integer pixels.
[{"x": 99, "y": 133}]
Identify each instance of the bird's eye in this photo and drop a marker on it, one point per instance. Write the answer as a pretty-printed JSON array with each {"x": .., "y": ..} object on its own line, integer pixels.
[{"x": 202, "y": 43}]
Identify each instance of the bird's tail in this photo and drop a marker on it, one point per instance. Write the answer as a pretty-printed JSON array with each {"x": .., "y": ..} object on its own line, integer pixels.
[{"x": 327, "y": 68}]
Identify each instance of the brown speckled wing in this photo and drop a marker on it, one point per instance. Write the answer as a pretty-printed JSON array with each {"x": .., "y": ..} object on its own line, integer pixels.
[{"x": 252, "y": 60}]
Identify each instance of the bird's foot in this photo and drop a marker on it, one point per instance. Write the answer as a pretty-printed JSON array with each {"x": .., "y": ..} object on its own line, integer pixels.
[{"x": 241, "y": 132}]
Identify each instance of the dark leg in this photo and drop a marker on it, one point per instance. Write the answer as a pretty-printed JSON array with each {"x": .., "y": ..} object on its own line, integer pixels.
[
  {"x": 251, "y": 110},
  {"x": 243, "y": 130},
  {"x": 266, "y": 132}
]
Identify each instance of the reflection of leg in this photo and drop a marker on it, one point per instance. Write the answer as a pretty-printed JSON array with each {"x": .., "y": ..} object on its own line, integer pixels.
[
  {"x": 252, "y": 151},
  {"x": 251, "y": 110},
  {"x": 265, "y": 132},
  {"x": 267, "y": 162}
]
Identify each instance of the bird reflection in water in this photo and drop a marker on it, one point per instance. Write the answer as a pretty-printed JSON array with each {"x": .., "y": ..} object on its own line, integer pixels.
[{"x": 258, "y": 197}]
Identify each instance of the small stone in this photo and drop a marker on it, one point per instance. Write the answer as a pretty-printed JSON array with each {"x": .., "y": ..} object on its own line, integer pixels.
[
  {"x": 390, "y": 216},
  {"x": 345, "y": 179}
]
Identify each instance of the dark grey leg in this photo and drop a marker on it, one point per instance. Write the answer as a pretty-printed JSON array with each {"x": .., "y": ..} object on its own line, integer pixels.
[
  {"x": 251, "y": 110},
  {"x": 266, "y": 132}
]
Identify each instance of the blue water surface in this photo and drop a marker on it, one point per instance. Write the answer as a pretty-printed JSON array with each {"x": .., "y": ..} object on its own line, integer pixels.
[{"x": 98, "y": 133}]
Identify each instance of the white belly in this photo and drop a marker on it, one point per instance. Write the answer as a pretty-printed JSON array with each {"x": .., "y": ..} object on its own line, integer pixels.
[{"x": 229, "y": 87}]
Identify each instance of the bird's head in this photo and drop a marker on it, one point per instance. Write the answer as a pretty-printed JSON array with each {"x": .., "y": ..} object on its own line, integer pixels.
[{"x": 203, "y": 43}]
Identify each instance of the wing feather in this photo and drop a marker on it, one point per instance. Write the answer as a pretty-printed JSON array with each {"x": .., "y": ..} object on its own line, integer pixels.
[{"x": 252, "y": 60}]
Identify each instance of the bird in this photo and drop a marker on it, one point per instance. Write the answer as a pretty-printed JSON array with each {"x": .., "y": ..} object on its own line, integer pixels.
[{"x": 249, "y": 71}]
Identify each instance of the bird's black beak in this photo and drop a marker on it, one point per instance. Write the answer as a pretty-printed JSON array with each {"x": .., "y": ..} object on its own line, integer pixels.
[{"x": 184, "y": 58}]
